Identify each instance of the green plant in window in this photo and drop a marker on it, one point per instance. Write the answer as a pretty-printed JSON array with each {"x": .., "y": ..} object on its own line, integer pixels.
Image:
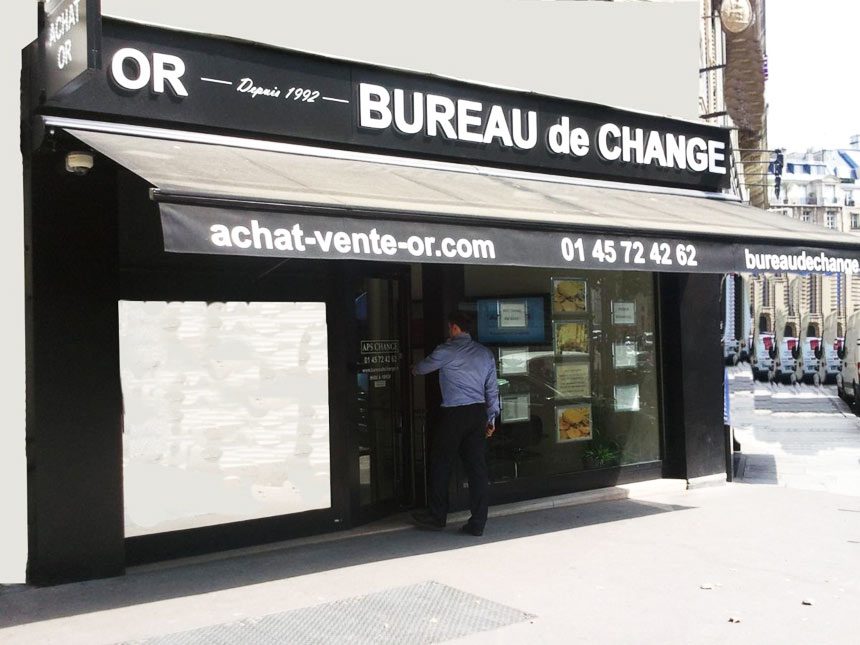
[{"x": 601, "y": 454}]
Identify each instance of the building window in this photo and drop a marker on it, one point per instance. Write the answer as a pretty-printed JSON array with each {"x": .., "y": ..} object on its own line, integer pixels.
[
  {"x": 791, "y": 168},
  {"x": 806, "y": 217},
  {"x": 584, "y": 394},
  {"x": 855, "y": 220},
  {"x": 830, "y": 221}
]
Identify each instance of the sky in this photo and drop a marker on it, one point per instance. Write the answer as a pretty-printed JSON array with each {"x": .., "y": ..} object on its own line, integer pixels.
[{"x": 813, "y": 90}]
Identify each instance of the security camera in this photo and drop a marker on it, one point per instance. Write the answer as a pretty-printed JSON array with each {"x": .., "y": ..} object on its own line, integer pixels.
[{"x": 79, "y": 163}]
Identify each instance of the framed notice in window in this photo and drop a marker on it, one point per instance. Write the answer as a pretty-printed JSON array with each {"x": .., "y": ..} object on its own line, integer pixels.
[
  {"x": 623, "y": 312},
  {"x": 513, "y": 314},
  {"x": 513, "y": 360},
  {"x": 571, "y": 338},
  {"x": 573, "y": 423},
  {"x": 573, "y": 380},
  {"x": 569, "y": 296},
  {"x": 626, "y": 398},
  {"x": 625, "y": 355},
  {"x": 516, "y": 407}
]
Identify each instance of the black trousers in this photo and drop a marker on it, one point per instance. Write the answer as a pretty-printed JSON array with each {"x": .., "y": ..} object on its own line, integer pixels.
[{"x": 460, "y": 430}]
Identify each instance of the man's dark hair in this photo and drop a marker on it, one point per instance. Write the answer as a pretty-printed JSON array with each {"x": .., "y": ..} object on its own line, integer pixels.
[{"x": 462, "y": 320}]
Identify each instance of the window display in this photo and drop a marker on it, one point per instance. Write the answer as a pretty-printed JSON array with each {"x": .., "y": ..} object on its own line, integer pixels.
[
  {"x": 573, "y": 423},
  {"x": 623, "y": 313},
  {"x": 512, "y": 321},
  {"x": 624, "y": 355},
  {"x": 573, "y": 380},
  {"x": 515, "y": 407},
  {"x": 568, "y": 297},
  {"x": 571, "y": 337},
  {"x": 586, "y": 397},
  {"x": 626, "y": 398},
  {"x": 513, "y": 360}
]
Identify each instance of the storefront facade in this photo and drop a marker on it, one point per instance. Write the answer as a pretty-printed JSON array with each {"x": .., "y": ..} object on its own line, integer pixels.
[{"x": 228, "y": 286}]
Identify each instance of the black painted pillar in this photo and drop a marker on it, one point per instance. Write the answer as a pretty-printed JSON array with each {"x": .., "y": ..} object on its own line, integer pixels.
[
  {"x": 443, "y": 288},
  {"x": 74, "y": 408},
  {"x": 693, "y": 371}
]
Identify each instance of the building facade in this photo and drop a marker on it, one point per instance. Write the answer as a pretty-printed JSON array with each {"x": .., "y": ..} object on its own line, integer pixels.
[{"x": 235, "y": 251}]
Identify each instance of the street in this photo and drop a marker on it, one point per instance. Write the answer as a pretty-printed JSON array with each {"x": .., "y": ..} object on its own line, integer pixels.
[{"x": 799, "y": 436}]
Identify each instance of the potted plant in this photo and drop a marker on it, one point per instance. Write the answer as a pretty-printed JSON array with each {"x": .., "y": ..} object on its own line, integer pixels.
[{"x": 602, "y": 454}]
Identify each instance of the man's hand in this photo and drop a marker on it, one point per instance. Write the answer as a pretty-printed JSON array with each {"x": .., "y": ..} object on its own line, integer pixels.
[{"x": 491, "y": 428}]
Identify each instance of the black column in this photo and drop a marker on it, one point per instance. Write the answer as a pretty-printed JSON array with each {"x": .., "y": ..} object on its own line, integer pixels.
[
  {"x": 74, "y": 408},
  {"x": 692, "y": 369}
]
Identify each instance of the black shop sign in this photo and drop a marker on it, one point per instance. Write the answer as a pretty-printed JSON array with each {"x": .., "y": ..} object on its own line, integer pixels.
[
  {"x": 69, "y": 43},
  {"x": 201, "y": 82}
]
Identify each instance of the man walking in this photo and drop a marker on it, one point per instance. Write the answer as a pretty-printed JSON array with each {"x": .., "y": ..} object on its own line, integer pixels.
[{"x": 470, "y": 404}]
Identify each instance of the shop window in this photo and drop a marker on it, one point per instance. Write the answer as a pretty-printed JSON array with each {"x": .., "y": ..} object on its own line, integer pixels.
[
  {"x": 225, "y": 412},
  {"x": 577, "y": 368}
]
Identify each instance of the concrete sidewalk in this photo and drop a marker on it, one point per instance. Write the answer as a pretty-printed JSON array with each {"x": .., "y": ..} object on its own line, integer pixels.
[
  {"x": 798, "y": 436},
  {"x": 609, "y": 572}
]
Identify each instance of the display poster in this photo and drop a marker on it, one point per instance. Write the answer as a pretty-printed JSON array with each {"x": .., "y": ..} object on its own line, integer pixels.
[
  {"x": 569, "y": 296},
  {"x": 571, "y": 338},
  {"x": 573, "y": 423},
  {"x": 627, "y": 398},
  {"x": 623, "y": 312},
  {"x": 513, "y": 314},
  {"x": 625, "y": 355},
  {"x": 516, "y": 407},
  {"x": 573, "y": 380},
  {"x": 513, "y": 360},
  {"x": 380, "y": 360}
]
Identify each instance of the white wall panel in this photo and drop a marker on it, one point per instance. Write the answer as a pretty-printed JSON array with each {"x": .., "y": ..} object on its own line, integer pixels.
[{"x": 226, "y": 412}]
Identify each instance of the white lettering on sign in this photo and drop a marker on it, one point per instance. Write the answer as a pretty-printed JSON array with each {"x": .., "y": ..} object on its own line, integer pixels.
[
  {"x": 650, "y": 147},
  {"x": 629, "y": 252},
  {"x": 380, "y": 346},
  {"x": 562, "y": 140},
  {"x": 131, "y": 70},
  {"x": 411, "y": 113},
  {"x": 246, "y": 86},
  {"x": 64, "y": 22},
  {"x": 436, "y": 115},
  {"x": 64, "y": 54}
]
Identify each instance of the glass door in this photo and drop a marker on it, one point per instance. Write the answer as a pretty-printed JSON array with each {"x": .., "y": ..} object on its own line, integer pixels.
[{"x": 381, "y": 391}]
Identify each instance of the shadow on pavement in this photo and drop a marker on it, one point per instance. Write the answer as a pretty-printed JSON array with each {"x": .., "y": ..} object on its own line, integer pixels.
[
  {"x": 757, "y": 469},
  {"x": 176, "y": 580}
]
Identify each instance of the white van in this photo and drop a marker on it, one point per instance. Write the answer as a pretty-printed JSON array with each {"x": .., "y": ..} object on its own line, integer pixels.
[
  {"x": 787, "y": 349},
  {"x": 833, "y": 342},
  {"x": 763, "y": 353},
  {"x": 848, "y": 380},
  {"x": 811, "y": 349}
]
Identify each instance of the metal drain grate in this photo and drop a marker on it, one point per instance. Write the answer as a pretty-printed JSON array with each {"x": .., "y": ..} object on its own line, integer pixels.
[{"x": 429, "y": 612}]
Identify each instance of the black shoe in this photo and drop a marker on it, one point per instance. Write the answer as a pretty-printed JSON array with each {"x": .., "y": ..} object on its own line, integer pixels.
[
  {"x": 426, "y": 520},
  {"x": 468, "y": 529}
]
